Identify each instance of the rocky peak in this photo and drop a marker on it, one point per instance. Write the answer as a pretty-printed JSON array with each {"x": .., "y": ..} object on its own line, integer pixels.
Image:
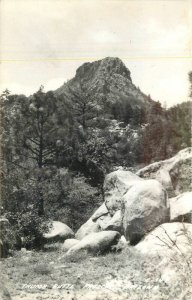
[
  {"x": 107, "y": 66},
  {"x": 109, "y": 80}
]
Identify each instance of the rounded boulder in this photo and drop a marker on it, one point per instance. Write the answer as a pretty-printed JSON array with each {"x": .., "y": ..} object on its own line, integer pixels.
[
  {"x": 116, "y": 185},
  {"x": 97, "y": 242},
  {"x": 58, "y": 232},
  {"x": 145, "y": 207}
]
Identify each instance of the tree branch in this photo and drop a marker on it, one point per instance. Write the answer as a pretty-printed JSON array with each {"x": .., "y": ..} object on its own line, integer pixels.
[
  {"x": 30, "y": 149},
  {"x": 48, "y": 153},
  {"x": 33, "y": 141}
]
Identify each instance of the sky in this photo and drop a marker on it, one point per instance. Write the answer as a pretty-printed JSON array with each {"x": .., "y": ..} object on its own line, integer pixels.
[{"x": 43, "y": 42}]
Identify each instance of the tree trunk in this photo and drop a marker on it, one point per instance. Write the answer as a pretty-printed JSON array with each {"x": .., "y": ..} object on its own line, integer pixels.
[
  {"x": 41, "y": 201},
  {"x": 40, "y": 181}
]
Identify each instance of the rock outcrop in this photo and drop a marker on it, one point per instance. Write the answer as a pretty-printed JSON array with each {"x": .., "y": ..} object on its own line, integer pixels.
[
  {"x": 181, "y": 175},
  {"x": 167, "y": 239},
  {"x": 101, "y": 211},
  {"x": 136, "y": 205},
  {"x": 145, "y": 207},
  {"x": 97, "y": 242},
  {"x": 174, "y": 173},
  {"x": 164, "y": 178},
  {"x": 95, "y": 222},
  {"x": 58, "y": 232},
  {"x": 116, "y": 185},
  {"x": 87, "y": 228},
  {"x": 115, "y": 222},
  {"x": 99, "y": 221},
  {"x": 181, "y": 208},
  {"x": 107, "y": 79}
]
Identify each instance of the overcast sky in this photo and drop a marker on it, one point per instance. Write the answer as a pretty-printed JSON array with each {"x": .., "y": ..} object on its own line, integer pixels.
[{"x": 44, "y": 41}]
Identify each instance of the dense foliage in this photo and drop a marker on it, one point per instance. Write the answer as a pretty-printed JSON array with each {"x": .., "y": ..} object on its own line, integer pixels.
[{"x": 57, "y": 148}]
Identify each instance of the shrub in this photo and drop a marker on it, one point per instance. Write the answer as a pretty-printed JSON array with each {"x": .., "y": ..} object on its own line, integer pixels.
[
  {"x": 77, "y": 206},
  {"x": 9, "y": 239},
  {"x": 30, "y": 227}
]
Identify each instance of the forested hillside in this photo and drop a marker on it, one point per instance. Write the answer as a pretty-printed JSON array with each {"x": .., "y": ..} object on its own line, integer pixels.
[{"x": 58, "y": 145}]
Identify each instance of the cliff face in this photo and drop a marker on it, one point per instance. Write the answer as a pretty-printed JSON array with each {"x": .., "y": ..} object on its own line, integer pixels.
[
  {"x": 101, "y": 68},
  {"x": 102, "y": 94},
  {"x": 107, "y": 79}
]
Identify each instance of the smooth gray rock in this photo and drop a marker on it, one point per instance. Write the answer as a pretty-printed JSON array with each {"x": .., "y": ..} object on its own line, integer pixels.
[
  {"x": 181, "y": 208},
  {"x": 145, "y": 207},
  {"x": 58, "y": 232},
  {"x": 97, "y": 242},
  {"x": 69, "y": 243},
  {"x": 116, "y": 185},
  {"x": 167, "y": 239}
]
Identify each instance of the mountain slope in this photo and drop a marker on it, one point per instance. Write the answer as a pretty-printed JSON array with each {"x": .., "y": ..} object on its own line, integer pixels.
[
  {"x": 109, "y": 80},
  {"x": 104, "y": 89}
]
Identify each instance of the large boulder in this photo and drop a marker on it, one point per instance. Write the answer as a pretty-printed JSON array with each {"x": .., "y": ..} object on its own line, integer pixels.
[
  {"x": 69, "y": 243},
  {"x": 174, "y": 173},
  {"x": 181, "y": 176},
  {"x": 103, "y": 221},
  {"x": 145, "y": 207},
  {"x": 167, "y": 239},
  {"x": 121, "y": 245},
  {"x": 58, "y": 232},
  {"x": 115, "y": 222},
  {"x": 164, "y": 178},
  {"x": 96, "y": 222},
  {"x": 87, "y": 228},
  {"x": 99, "y": 221},
  {"x": 97, "y": 242},
  {"x": 116, "y": 185},
  {"x": 181, "y": 208},
  {"x": 101, "y": 211}
]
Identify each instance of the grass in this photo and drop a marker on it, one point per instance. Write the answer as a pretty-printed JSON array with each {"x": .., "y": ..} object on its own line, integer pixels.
[
  {"x": 113, "y": 276},
  {"x": 42, "y": 269}
]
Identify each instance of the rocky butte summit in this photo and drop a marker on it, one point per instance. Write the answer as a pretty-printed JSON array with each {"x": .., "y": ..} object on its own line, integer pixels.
[{"x": 107, "y": 79}]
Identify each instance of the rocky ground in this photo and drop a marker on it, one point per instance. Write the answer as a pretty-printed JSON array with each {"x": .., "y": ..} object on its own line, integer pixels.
[{"x": 126, "y": 275}]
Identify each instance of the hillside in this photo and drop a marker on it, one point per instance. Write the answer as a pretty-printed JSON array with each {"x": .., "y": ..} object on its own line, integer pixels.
[
  {"x": 93, "y": 196},
  {"x": 105, "y": 78},
  {"x": 102, "y": 96},
  {"x": 109, "y": 82},
  {"x": 58, "y": 146}
]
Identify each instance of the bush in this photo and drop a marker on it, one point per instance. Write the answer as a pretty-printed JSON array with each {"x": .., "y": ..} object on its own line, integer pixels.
[
  {"x": 9, "y": 239},
  {"x": 30, "y": 227},
  {"x": 77, "y": 206}
]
